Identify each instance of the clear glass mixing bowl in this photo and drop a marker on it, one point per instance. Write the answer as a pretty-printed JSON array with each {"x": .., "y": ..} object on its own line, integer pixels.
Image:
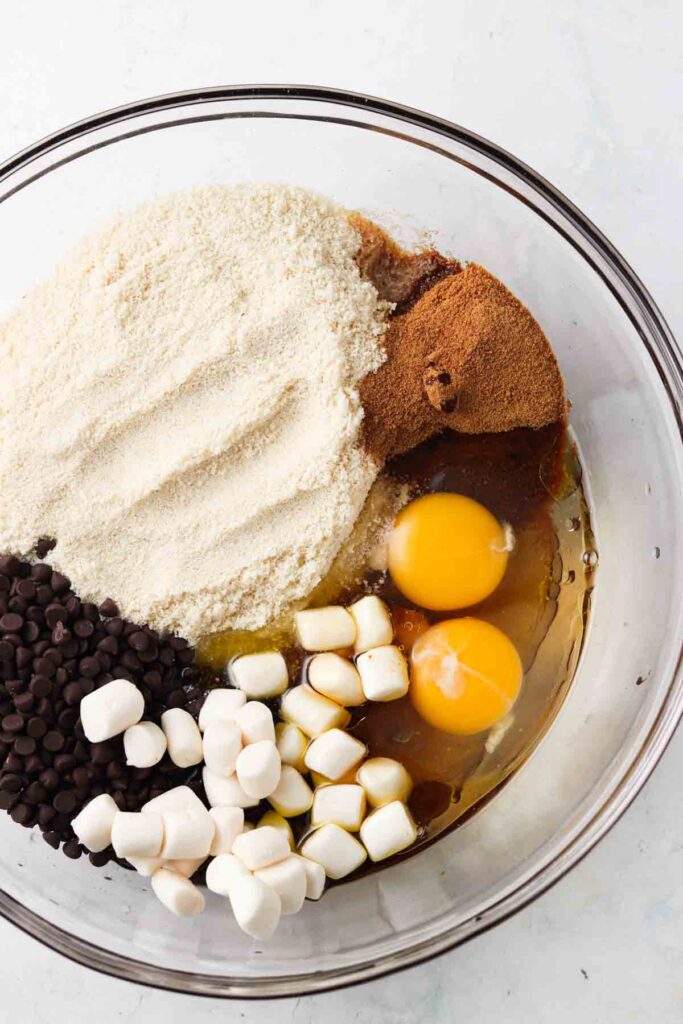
[{"x": 415, "y": 174}]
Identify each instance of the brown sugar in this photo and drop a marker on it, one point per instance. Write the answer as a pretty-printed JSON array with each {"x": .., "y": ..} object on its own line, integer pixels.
[{"x": 464, "y": 354}]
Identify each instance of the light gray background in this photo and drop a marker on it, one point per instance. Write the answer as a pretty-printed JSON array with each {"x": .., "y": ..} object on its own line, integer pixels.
[{"x": 589, "y": 93}]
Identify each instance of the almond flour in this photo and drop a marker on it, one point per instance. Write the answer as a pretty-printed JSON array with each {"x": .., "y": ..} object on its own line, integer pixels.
[{"x": 179, "y": 406}]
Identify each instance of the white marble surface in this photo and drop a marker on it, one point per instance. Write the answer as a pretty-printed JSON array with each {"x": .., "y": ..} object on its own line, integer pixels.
[{"x": 589, "y": 93}]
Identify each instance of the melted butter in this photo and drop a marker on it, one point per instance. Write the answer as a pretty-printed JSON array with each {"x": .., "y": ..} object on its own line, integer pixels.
[{"x": 530, "y": 479}]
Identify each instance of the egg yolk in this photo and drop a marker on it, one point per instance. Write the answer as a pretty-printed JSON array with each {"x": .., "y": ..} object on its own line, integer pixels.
[
  {"x": 466, "y": 675},
  {"x": 447, "y": 551}
]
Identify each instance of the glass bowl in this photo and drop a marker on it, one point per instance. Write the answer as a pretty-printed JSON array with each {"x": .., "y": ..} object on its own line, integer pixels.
[{"x": 421, "y": 177}]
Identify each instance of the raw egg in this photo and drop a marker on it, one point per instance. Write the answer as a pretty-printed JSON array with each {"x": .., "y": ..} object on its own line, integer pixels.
[
  {"x": 466, "y": 675},
  {"x": 447, "y": 551}
]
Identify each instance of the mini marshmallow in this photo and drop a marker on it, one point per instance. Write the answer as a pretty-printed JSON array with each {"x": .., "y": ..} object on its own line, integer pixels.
[
  {"x": 144, "y": 744},
  {"x": 256, "y": 907},
  {"x": 258, "y": 769},
  {"x": 292, "y": 795},
  {"x": 313, "y": 713},
  {"x": 221, "y": 745},
  {"x": 94, "y": 823},
  {"x": 111, "y": 709},
  {"x": 263, "y": 846},
  {"x": 177, "y": 799},
  {"x": 374, "y": 627},
  {"x": 277, "y": 821},
  {"x": 315, "y": 877},
  {"x": 334, "y": 754},
  {"x": 187, "y": 834},
  {"x": 325, "y": 629},
  {"x": 388, "y": 830},
  {"x": 383, "y": 673},
  {"x": 225, "y": 871},
  {"x": 228, "y": 823},
  {"x": 288, "y": 879},
  {"x": 260, "y": 675},
  {"x": 343, "y": 805},
  {"x": 183, "y": 737},
  {"x": 384, "y": 780},
  {"x": 338, "y": 851},
  {"x": 137, "y": 835},
  {"x": 177, "y": 893},
  {"x": 256, "y": 722},
  {"x": 335, "y": 677},
  {"x": 225, "y": 792},
  {"x": 146, "y": 866},
  {"x": 221, "y": 705},
  {"x": 291, "y": 744}
]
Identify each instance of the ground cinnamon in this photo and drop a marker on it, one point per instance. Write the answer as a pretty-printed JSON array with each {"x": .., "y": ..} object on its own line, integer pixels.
[{"x": 465, "y": 355}]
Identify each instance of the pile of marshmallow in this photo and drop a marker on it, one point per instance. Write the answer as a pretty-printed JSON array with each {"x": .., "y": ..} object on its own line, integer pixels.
[{"x": 247, "y": 757}]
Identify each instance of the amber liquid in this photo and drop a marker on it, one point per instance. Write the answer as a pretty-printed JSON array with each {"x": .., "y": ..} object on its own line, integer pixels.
[{"x": 531, "y": 480}]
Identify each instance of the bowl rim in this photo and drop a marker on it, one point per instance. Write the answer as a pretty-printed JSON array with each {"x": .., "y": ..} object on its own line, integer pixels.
[{"x": 627, "y": 285}]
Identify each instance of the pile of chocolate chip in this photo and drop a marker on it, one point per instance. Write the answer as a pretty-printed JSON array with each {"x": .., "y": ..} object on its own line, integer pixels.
[{"x": 55, "y": 649}]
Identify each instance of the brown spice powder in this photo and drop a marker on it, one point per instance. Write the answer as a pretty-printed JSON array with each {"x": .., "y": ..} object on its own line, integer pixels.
[{"x": 466, "y": 355}]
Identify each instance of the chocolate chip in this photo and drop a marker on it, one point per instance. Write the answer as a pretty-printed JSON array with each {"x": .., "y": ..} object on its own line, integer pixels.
[
  {"x": 40, "y": 686},
  {"x": 55, "y": 613},
  {"x": 65, "y": 801},
  {"x": 114, "y": 627},
  {"x": 24, "y": 745},
  {"x": 139, "y": 641},
  {"x": 90, "y": 611},
  {"x": 23, "y": 702},
  {"x": 44, "y": 667},
  {"x": 35, "y": 793},
  {"x": 9, "y": 565},
  {"x": 53, "y": 741},
  {"x": 83, "y": 628},
  {"x": 46, "y": 814},
  {"x": 73, "y": 692},
  {"x": 10, "y": 783},
  {"x": 11, "y": 622},
  {"x": 6, "y": 650},
  {"x": 26, "y": 589},
  {"x": 12, "y": 723},
  {"x": 98, "y": 860},
  {"x": 21, "y": 813},
  {"x": 24, "y": 656},
  {"x": 59, "y": 582},
  {"x": 109, "y": 608},
  {"x": 53, "y": 839},
  {"x": 67, "y": 719},
  {"x": 89, "y": 667},
  {"x": 8, "y": 800},
  {"x": 36, "y": 727},
  {"x": 40, "y": 572}
]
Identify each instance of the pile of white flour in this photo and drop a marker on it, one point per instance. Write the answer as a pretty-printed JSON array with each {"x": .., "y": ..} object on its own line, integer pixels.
[{"x": 179, "y": 407}]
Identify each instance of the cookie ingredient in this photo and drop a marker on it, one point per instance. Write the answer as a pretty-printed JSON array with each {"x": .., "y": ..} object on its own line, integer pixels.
[
  {"x": 383, "y": 673},
  {"x": 325, "y": 629},
  {"x": 335, "y": 849},
  {"x": 337, "y": 678},
  {"x": 467, "y": 355},
  {"x": 388, "y": 830},
  {"x": 144, "y": 744},
  {"x": 111, "y": 709},
  {"x": 183, "y": 737},
  {"x": 373, "y": 623},
  {"x": 384, "y": 780},
  {"x": 260, "y": 675},
  {"x": 192, "y": 375}
]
